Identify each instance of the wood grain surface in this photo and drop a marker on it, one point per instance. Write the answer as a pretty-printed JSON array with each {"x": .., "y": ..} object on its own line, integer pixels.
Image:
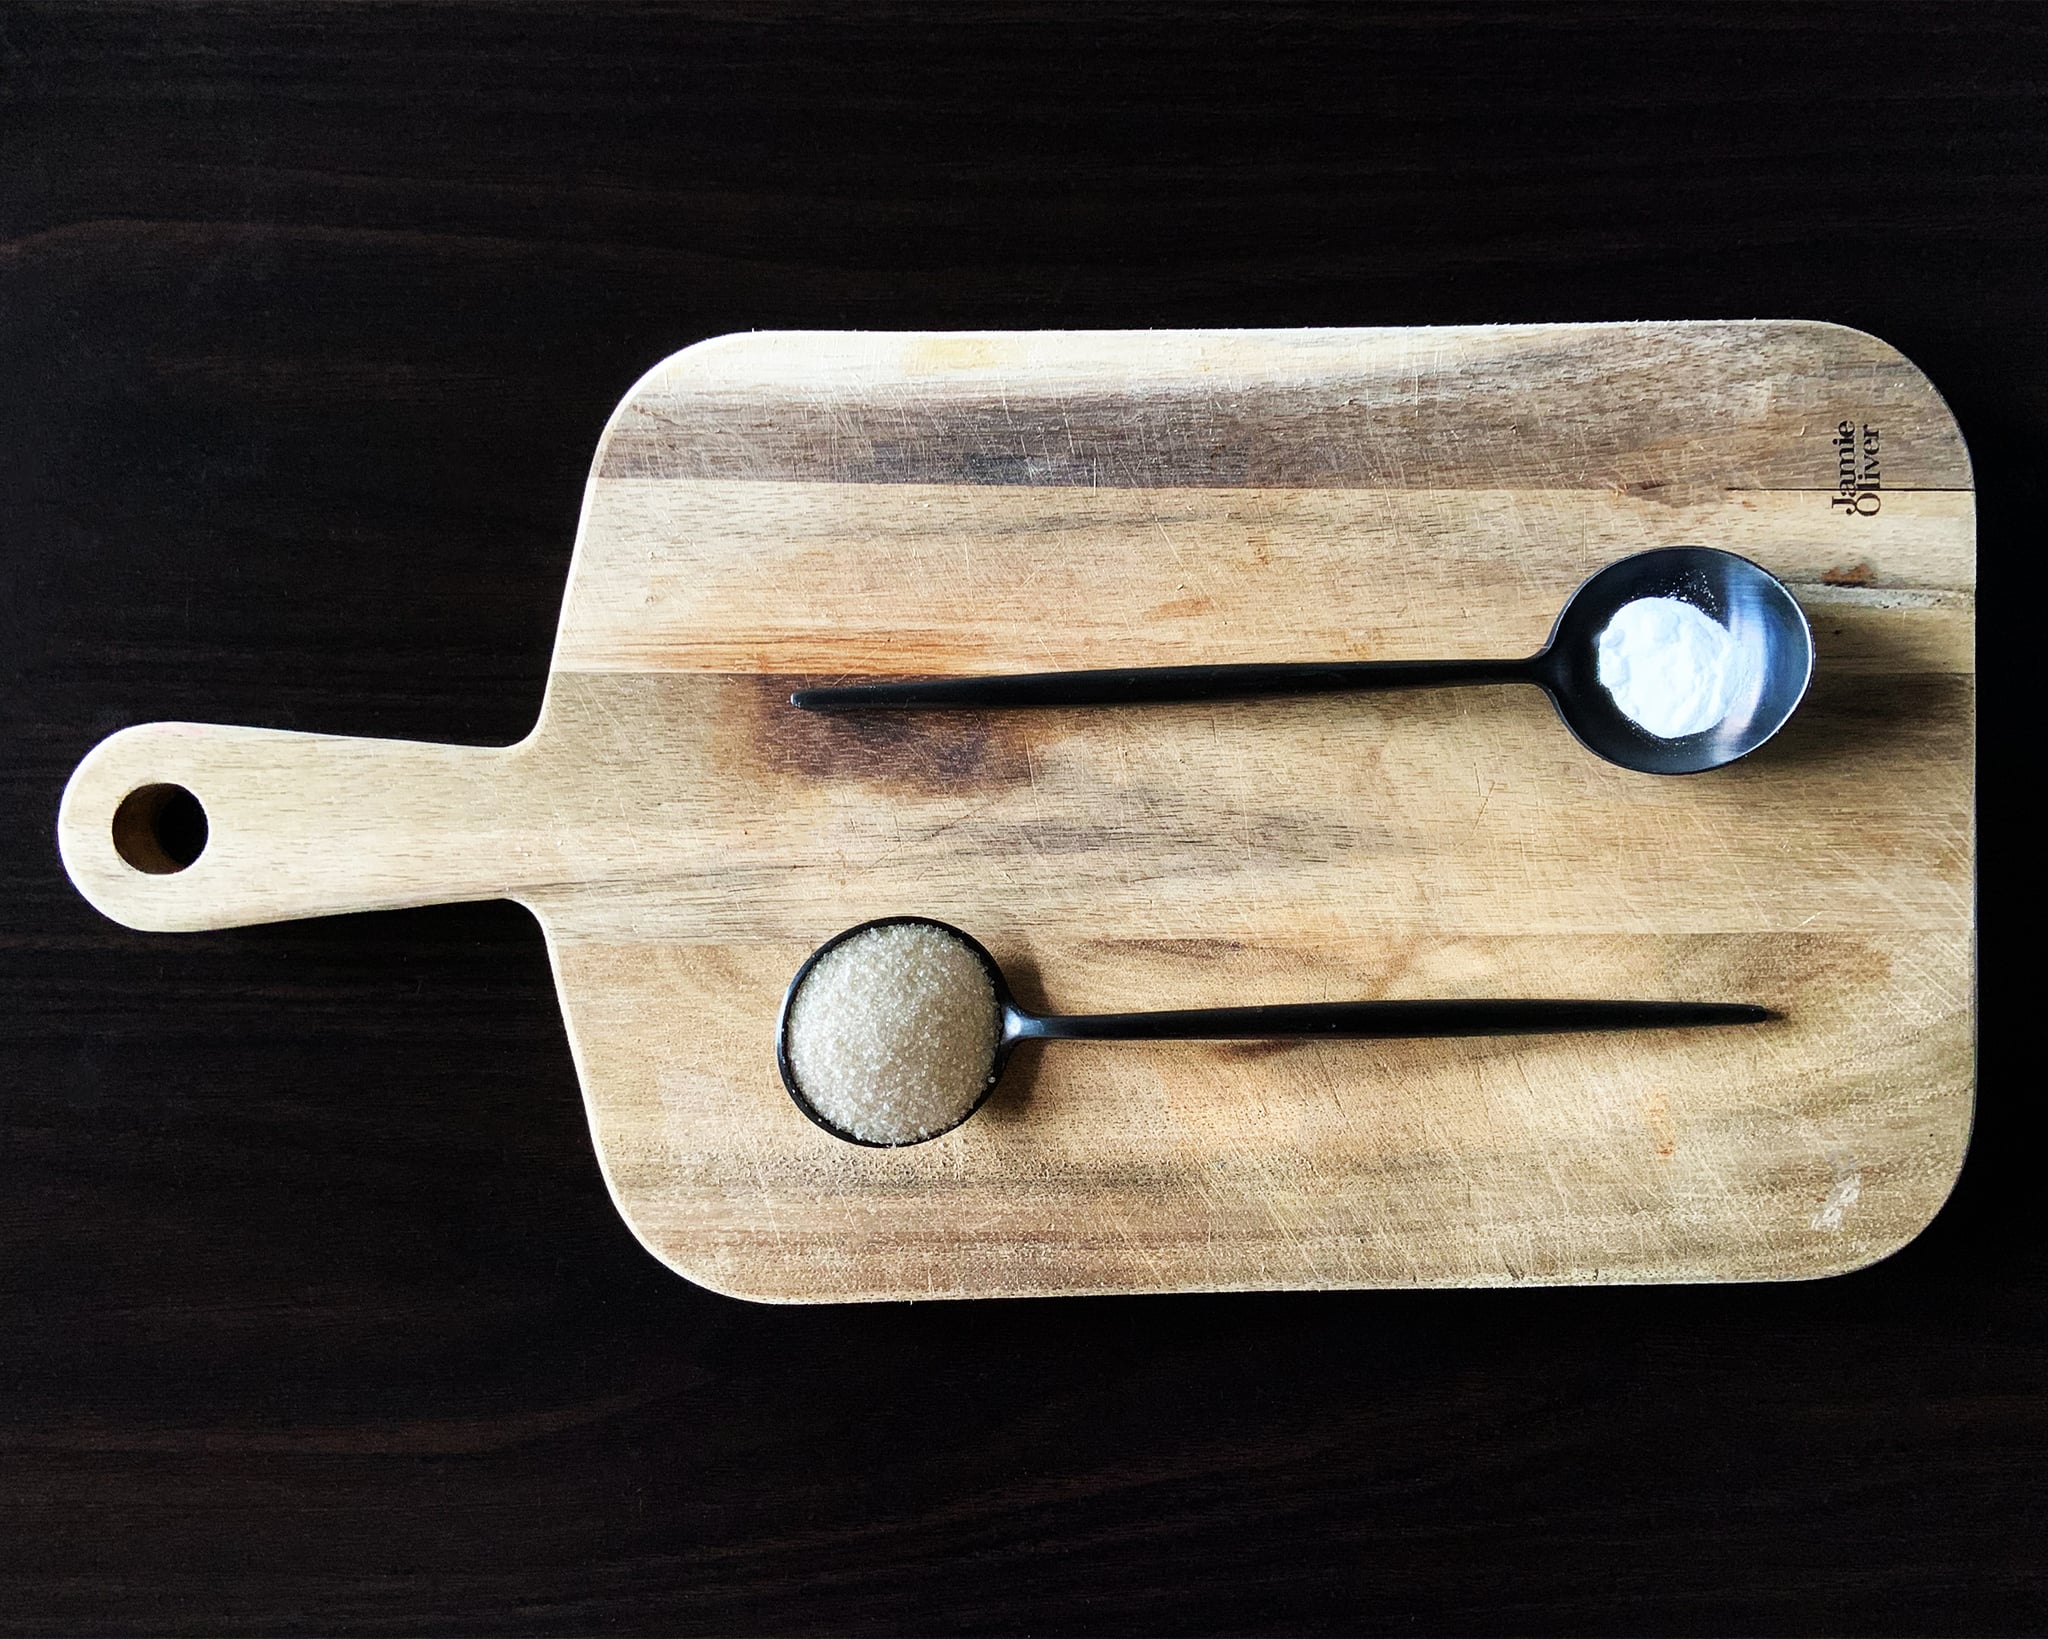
[
  {"x": 317, "y": 1315},
  {"x": 768, "y": 509}
]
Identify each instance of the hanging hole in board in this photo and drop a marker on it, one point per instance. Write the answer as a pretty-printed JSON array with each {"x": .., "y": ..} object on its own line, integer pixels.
[{"x": 160, "y": 829}]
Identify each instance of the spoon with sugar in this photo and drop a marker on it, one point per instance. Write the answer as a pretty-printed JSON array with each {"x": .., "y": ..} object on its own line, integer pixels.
[
  {"x": 896, "y": 1031},
  {"x": 1673, "y": 661}
]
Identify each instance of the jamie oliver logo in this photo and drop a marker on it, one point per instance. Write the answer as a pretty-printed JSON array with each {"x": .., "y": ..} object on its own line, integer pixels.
[{"x": 1859, "y": 486}]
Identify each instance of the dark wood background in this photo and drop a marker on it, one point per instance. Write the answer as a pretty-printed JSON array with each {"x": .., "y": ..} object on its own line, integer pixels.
[{"x": 313, "y": 1312}]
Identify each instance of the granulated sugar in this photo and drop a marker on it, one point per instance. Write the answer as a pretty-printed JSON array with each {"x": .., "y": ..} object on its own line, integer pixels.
[
  {"x": 1672, "y": 668},
  {"x": 892, "y": 1035}
]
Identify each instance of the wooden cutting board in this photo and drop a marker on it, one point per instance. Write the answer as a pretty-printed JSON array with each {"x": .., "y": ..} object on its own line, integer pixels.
[{"x": 771, "y": 509}]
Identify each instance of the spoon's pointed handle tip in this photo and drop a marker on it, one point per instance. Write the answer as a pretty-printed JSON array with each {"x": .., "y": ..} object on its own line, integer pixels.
[
  {"x": 856, "y": 696},
  {"x": 1679, "y": 1014}
]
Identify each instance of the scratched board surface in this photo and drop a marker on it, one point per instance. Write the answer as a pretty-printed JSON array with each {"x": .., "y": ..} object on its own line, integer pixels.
[{"x": 773, "y": 509}]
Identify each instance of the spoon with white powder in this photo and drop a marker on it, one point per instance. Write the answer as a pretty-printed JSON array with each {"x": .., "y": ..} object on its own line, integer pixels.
[
  {"x": 895, "y": 1031},
  {"x": 1669, "y": 662}
]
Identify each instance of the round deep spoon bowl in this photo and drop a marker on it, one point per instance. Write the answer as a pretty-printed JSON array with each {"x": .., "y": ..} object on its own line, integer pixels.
[
  {"x": 1762, "y": 618},
  {"x": 897, "y": 1030},
  {"x": 1771, "y": 642}
]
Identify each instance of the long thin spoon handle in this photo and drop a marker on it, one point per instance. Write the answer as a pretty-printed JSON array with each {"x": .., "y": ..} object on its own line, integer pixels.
[
  {"x": 1385, "y": 1019},
  {"x": 1139, "y": 685}
]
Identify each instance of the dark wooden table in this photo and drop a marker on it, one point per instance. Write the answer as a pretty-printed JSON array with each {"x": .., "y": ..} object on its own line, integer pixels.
[{"x": 313, "y": 1312}]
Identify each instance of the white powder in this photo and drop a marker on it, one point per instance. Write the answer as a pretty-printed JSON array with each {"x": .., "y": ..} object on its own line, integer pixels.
[
  {"x": 1673, "y": 669},
  {"x": 892, "y": 1035}
]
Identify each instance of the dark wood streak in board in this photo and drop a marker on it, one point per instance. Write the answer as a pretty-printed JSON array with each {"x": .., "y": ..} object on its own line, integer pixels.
[
  {"x": 952, "y": 752},
  {"x": 960, "y": 757}
]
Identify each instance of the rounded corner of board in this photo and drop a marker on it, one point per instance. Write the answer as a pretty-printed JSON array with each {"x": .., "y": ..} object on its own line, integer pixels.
[
  {"x": 1869, "y": 1255},
  {"x": 720, "y": 1285},
  {"x": 680, "y": 362},
  {"x": 1864, "y": 1258},
  {"x": 1873, "y": 347},
  {"x": 701, "y": 353}
]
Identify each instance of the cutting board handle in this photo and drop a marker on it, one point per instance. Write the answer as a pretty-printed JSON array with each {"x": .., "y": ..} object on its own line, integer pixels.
[{"x": 170, "y": 827}]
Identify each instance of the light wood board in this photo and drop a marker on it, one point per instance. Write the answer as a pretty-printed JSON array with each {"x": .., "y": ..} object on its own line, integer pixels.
[{"x": 770, "y": 509}]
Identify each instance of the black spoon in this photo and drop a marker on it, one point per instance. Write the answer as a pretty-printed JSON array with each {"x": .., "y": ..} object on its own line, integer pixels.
[
  {"x": 1751, "y": 602},
  {"x": 1008, "y": 1024}
]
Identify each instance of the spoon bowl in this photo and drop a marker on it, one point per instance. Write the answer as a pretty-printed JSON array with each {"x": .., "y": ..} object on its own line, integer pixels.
[
  {"x": 861, "y": 1120},
  {"x": 1008, "y": 1031},
  {"x": 1761, "y": 615}
]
